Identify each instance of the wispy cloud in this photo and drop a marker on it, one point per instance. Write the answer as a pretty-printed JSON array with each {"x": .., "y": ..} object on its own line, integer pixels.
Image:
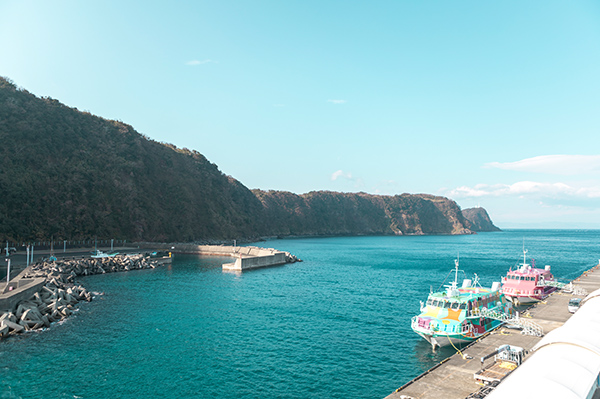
[
  {"x": 553, "y": 164},
  {"x": 337, "y": 101},
  {"x": 198, "y": 62},
  {"x": 340, "y": 174}
]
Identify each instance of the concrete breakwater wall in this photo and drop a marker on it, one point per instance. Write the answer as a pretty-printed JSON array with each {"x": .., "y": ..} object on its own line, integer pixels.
[
  {"x": 245, "y": 257},
  {"x": 55, "y": 292}
]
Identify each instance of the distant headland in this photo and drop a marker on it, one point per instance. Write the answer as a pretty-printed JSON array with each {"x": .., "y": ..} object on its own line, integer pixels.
[{"x": 69, "y": 174}]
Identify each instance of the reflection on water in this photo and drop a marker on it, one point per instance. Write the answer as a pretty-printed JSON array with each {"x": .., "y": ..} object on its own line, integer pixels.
[{"x": 426, "y": 357}]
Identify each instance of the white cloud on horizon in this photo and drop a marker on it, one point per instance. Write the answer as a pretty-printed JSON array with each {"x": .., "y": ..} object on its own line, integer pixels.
[
  {"x": 553, "y": 164},
  {"x": 529, "y": 189},
  {"x": 337, "y": 101},
  {"x": 198, "y": 62}
]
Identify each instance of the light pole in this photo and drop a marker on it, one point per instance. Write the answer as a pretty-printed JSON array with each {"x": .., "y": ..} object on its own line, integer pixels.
[{"x": 7, "y": 271}]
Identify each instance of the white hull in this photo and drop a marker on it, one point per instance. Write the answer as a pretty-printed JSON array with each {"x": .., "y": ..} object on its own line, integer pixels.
[{"x": 441, "y": 340}]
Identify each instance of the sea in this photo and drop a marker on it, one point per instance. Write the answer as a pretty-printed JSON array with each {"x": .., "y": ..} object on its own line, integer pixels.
[{"x": 336, "y": 325}]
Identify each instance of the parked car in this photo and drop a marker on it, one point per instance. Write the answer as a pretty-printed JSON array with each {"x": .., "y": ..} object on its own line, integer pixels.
[{"x": 574, "y": 305}]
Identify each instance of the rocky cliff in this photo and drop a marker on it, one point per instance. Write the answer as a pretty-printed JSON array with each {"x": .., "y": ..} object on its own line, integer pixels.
[
  {"x": 479, "y": 219},
  {"x": 332, "y": 213}
]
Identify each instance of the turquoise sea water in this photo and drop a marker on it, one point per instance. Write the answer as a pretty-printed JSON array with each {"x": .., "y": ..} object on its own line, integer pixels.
[{"x": 336, "y": 325}]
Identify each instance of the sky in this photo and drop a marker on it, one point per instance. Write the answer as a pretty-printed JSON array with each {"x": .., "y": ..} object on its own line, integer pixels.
[{"x": 492, "y": 104}]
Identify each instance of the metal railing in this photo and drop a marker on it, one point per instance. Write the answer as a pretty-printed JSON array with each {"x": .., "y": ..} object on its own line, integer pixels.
[{"x": 528, "y": 327}]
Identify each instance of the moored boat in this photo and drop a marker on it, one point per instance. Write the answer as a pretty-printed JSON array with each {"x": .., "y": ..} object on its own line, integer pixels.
[
  {"x": 460, "y": 315},
  {"x": 99, "y": 254},
  {"x": 528, "y": 284}
]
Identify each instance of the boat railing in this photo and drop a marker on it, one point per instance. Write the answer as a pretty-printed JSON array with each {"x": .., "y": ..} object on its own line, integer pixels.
[{"x": 550, "y": 284}]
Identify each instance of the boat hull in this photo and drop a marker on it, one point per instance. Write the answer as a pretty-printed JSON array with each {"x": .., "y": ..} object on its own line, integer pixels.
[
  {"x": 444, "y": 340},
  {"x": 528, "y": 299}
]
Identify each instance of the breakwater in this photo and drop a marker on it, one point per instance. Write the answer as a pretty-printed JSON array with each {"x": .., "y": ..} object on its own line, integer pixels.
[
  {"x": 47, "y": 292},
  {"x": 245, "y": 257}
]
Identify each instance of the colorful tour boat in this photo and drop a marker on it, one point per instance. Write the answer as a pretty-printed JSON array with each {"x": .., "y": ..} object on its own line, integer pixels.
[
  {"x": 528, "y": 284},
  {"x": 460, "y": 315}
]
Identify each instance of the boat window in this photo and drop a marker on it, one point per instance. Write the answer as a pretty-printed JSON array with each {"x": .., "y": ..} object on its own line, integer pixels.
[
  {"x": 455, "y": 305},
  {"x": 463, "y": 305},
  {"x": 430, "y": 301},
  {"x": 446, "y": 305}
]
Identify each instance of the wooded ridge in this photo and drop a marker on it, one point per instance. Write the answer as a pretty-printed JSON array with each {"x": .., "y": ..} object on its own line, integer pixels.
[{"x": 68, "y": 174}]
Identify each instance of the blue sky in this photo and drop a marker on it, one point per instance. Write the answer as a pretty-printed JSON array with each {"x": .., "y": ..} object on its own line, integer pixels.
[{"x": 489, "y": 103}]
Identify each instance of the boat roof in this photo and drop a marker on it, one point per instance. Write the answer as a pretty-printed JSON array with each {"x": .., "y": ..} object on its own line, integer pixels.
[
  {"x": 465, "y": 294},
  {"x": 530, "y": 271}
]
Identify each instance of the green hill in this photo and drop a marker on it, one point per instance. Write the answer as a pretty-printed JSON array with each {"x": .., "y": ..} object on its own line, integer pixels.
[{"x": 68, "y": 174}]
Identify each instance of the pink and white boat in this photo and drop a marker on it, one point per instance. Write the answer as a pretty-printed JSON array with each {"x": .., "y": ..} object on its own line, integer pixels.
[{"x": 527, "y": 284}]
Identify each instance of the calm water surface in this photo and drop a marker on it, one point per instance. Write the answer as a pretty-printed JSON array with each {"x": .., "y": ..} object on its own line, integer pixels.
[{"x": 336, "y": 325}]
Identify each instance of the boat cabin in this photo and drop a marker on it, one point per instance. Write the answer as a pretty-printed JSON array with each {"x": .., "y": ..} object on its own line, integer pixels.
[{"x": 527, "y": 281}]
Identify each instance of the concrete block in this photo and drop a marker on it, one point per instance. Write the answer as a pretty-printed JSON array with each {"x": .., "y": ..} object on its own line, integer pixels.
[{"x": 13, "y": 326}]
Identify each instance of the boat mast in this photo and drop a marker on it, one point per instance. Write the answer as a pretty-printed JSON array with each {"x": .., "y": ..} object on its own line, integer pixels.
[{"x": 455, "y": 272}]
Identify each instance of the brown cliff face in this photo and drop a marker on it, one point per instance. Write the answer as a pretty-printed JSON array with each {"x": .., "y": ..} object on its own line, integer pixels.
[
  {"x": 332, "y": 213},
  {"x": 479, "y": 219}
]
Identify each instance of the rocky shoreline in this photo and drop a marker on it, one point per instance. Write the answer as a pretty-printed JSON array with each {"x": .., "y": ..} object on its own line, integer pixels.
[{"x": 59, "y": 295}]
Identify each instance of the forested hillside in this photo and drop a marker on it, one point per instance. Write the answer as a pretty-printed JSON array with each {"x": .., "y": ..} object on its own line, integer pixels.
[{"x": 68, "y": 174}]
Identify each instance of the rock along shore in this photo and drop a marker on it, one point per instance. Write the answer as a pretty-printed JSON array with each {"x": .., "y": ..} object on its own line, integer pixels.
[{"x": 59, "y": 293}]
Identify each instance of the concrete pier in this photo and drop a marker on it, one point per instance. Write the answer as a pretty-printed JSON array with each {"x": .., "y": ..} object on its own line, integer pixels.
[
  {"x": 246, "y": 258},
  {"x": 453, "y": 377}
]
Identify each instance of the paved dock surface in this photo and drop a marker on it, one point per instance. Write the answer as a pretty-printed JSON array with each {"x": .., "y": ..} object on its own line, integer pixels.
[{"x": 453, "y": 378}]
